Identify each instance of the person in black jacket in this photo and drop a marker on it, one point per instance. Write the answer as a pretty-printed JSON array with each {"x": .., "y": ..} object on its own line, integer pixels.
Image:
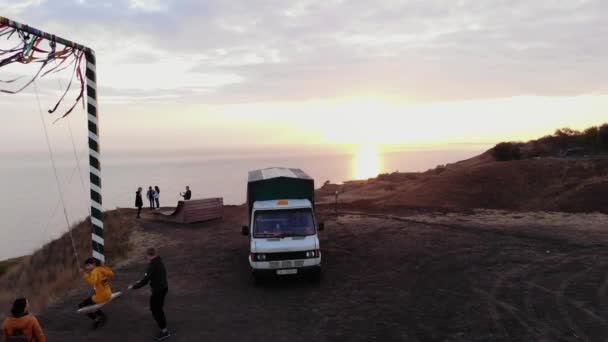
[
  {"x": 139, "y": 202},
  {"x": 156, "y": 275},
  {"x": 186, "y": 195},
  {"x": 150, "y": 195}
]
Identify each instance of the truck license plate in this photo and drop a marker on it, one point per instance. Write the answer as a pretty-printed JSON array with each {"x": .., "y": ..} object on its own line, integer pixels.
[{"x": 290, "y": 271}]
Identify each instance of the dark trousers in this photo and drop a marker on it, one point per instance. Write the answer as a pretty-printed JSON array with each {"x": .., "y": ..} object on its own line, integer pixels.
[
  {"x": 157, "y": 202},
  {"x": 151, "y": 202},
  {"x": 138, "y": 212},
  {"x": 157, "y": 301},
  {"x": 87, "y": 302}
]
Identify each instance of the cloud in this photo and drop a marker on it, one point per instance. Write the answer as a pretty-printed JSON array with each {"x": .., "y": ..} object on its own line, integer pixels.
[
  {"x": 148, "y": 5},
  {"x": 14, "y": 7},
  {"x": 418, "y": 50}
]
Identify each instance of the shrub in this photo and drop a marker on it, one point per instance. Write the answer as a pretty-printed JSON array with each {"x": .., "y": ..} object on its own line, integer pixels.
[
  {"x": 506, "y": 151},
  {"x": 603, "y": 137}
]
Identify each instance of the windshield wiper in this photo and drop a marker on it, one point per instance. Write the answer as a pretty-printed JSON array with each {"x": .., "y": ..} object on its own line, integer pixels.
[
  {"x": 291, "y": 235},
  {"x": 269, "y": 235},
  {"x": 263, "y": 235},
  {"x": 278, "y": 235}
]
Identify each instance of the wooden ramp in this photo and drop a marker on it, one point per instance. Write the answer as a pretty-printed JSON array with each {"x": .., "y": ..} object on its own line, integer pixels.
[{"x": 194, "y": 210}]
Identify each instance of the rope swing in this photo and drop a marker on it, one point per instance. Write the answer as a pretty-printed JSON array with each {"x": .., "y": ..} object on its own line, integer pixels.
[{"x": 60, "y": 55}]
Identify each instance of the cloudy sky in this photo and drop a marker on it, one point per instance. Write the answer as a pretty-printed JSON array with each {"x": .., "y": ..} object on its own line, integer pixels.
[{"x": 193, "y": 73}]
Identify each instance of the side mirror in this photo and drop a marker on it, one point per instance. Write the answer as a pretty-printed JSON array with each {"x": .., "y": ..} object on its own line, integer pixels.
[
  {"x": 321, "y": 226},
  {"x": 245, "y": 230}
]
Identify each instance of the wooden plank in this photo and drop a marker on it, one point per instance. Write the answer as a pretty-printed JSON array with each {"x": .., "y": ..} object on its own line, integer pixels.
[{"x": 198, "y": 210}]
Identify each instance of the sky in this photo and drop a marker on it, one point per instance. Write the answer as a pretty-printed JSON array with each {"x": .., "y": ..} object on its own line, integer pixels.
[{"x": 188, "y": 74}]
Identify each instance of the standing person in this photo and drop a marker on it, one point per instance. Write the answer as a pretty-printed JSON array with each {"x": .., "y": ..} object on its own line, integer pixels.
[
  {"x": 99, "y": 276},
  {"x": 156, "y": 275},
  {"x": 150, "y": 195},
  {"x": 186, "y": 195},
  {"x": 157, "y": 196},
  {"x": 22, "y": 326},
  {"x": 139, "y": 202}
]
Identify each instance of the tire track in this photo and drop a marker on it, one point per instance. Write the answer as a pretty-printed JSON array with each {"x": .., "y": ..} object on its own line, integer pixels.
[
  {"x": 602, "y": 293},
  {"x": 572, "y": 303},
  {"x": 498, "y": 287},
  {"x": 524, "y": 281},
  {"x": 519, "y": 315},
  {"x": 561, "y": 301},
  {"x": 562, "y": 305}
]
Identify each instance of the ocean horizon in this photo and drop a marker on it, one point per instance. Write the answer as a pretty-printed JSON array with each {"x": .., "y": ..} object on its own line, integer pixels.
[{"x": 33, "y": 214}]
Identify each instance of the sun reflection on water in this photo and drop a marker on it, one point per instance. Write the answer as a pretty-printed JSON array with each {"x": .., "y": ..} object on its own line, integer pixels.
[{"x": 366, "y": 162}]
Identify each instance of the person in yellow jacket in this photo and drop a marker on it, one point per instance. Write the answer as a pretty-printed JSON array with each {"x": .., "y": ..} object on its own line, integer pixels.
[
  {"x": 22, "y": 326},
  {"x": 99, "y": 277}
]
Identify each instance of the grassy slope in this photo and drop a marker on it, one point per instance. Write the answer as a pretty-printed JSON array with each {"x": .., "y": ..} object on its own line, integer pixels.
[
  {"x": 52, "y": 271},
  {"x": 6, "y": 265}
]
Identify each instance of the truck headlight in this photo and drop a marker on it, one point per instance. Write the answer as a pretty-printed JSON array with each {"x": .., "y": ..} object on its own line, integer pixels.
[
  {"x": 313, "y": 254},
  {"x": 260, "y": 257}
]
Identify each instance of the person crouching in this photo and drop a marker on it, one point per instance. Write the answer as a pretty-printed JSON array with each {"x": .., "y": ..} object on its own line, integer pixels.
[{"x": 99, "y": 277}]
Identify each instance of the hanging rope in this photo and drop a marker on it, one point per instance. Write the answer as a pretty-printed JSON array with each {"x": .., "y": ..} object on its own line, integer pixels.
[
  {"x": 48, "y": 143},
  {"x": 53, "y": 212},
  {"x": 76, "y": 157}
]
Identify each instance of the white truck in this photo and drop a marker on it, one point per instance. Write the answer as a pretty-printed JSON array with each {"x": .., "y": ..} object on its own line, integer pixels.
[{"x": 282, "y": 230}]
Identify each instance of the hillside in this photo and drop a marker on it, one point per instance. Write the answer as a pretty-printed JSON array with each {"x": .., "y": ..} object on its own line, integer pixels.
[
  {"x": 548, "y": 184},
  {"x": 50, "y": 272},
  {"x": 566, "y": 171}
]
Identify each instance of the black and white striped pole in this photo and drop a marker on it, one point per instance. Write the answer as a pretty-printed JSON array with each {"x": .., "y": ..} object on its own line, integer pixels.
[
  {"x": 93, "y": 136},
  {"x": 94, "y": 159}
]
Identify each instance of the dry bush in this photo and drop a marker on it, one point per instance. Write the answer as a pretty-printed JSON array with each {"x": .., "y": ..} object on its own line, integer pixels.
[
  {"x": 591, "y": 141},
  {"x": 50, "y": 272},
  {"x": 507, "y": 151}
]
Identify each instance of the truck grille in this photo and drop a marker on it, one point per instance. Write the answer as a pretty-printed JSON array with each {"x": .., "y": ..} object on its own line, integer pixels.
[
  {"x": 285, "y": 256},
  {"x": 286, "y": 264}
]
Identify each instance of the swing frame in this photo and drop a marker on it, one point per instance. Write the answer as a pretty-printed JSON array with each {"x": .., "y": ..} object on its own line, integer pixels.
[{"x": 97, "y": 227}]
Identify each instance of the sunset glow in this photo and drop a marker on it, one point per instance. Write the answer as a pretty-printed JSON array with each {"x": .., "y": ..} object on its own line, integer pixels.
[
  {"x": 282, "y": 75},
  {"x": 366, "y": 162}
]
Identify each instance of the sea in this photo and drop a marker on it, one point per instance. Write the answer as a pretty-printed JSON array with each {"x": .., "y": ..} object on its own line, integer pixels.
[{"x": 35, "y": 194}]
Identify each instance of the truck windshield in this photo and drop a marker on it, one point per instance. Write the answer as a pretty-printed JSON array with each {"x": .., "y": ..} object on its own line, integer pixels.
[{"x": 283, "y": 223}]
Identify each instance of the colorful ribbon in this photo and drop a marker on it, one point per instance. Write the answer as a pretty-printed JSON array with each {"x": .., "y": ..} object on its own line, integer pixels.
[{"x": 28, "y": 51}]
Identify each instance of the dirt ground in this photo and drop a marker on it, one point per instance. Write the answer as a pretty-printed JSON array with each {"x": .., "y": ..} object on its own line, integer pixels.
[{"x": 399, "y": 276}]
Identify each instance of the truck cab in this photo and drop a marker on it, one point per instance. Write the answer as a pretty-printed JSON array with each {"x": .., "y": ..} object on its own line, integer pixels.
[{"x": 282, "y": 230}]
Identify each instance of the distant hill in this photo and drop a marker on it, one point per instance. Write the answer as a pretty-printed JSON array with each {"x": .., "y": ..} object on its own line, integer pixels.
[
  {"x": 555, "y": 179},
  {"x": 564, "y": 142}
]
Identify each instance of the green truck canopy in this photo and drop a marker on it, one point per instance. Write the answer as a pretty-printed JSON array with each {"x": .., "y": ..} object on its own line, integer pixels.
[{"x": 279, "y": 183}]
